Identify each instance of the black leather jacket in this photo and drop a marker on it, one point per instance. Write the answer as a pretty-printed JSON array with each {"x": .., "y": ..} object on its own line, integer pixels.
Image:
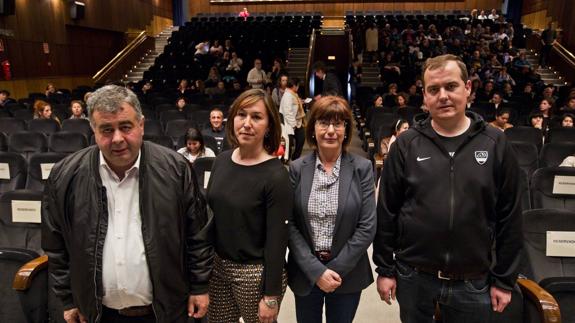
[
  {"x": 444, "y": 213},
  {"x": 176, "y": 230}
]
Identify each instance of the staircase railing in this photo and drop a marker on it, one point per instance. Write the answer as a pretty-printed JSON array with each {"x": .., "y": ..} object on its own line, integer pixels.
[
  {"x": 309, "y": 56},
  {"x": 125, "y": 59}
]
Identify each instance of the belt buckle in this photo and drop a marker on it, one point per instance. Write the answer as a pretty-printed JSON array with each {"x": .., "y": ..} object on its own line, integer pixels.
[{"x": 440, "y": 276}]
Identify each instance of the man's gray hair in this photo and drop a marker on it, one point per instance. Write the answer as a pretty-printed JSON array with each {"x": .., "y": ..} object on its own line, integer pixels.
[{"x": 109, "y": 98}]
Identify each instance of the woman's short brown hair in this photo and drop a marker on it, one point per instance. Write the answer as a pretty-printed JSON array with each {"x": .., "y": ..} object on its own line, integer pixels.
[
  {"x": 248, "y": 99},
  {"x": 330, "y": 108}
]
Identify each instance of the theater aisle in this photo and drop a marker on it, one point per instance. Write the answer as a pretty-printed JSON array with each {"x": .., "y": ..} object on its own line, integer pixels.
[{"x": 371, "y": 308}]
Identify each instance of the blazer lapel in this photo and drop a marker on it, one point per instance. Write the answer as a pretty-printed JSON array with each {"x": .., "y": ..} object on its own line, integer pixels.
[
  {"x": 306, "y": 182},
  {"x": 345, "y": 178}
]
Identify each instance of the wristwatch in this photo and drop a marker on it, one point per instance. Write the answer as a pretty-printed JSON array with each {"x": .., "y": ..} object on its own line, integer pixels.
[{"x": 271, "y": 303}]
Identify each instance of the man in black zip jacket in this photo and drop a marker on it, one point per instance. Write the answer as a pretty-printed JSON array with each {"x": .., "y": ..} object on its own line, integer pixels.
[
  {"x": 124, "y": 225},
  {"x": 448, "y": 193}
]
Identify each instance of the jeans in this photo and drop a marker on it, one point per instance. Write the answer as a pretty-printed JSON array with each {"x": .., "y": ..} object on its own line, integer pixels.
[
  {"x": 461, "y": 301},
  {"x": 299, "y": 140},
  {"x": 340, "y": 308}
]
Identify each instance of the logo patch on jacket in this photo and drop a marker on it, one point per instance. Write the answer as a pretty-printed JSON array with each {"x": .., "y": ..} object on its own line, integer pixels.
[{"x": 481, "y": 157}]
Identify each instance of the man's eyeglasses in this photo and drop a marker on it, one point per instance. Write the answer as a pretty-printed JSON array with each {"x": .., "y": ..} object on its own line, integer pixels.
[{"x": 324, "y": 124}]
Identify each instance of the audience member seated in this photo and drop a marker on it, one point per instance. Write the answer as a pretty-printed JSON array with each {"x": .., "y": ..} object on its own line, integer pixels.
[
  {"x": 567, "y": 120},
  {"x": 279, "y": 89},
  {"x": 216, "y": 128},
  {"x": 216, "y": 49},
  {"x": 235, "y": 64},
  {"x": 43, "y": 110},
  {"x": 277, "y": 71},
  {"x": 202, "y": 49},
  {"x": 546, "y": 109},
  {"x": 181, "y": 103},
  {"x": 195, "y": 147},
  {"x": 569, "y": 106},
  {"x": 244, "y": 14},
  {"x": 5, "y": 98},
  {"x": 77, "y": 110},
  {"x": 213, "y": 77},
  {"x": 183, "y": 88},
  {"x": 501, "y": 121},
  {"x": 218, "y": 91}
]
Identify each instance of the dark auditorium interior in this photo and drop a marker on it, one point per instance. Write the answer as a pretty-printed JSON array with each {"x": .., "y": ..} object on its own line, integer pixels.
[{"x": 56, "y": 52}]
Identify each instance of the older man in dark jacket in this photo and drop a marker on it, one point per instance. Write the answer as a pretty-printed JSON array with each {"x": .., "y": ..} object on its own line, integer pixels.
[{"x": 125, "y": 228}]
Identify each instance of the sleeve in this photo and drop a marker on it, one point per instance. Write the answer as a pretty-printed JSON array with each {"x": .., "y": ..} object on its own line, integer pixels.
[
  {"x": 55, "y": 247},
  {"x": 279, "y": 200},
  {"x": 508, "y": 233},
  {"x": 364, "y": 233},
  {"x": 390, "y": 199},
  {"x": 199, "y": 234},
  {"x": 302, "y": 254}
]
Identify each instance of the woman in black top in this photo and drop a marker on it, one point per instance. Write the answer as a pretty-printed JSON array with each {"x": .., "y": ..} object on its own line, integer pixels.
[{"x": 250, "y": 195}]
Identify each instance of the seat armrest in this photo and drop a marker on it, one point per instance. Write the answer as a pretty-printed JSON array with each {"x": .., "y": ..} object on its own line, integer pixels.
[
  {"x": 545, "y": 302},
  {"x": 25, "y": 275}
]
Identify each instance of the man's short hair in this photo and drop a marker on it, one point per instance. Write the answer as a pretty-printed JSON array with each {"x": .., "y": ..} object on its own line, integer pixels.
[
  {"x": 319, "y": 66},
  {"x": 5, "y": 92},
  {"x": 109, "y": 98},
  {"x": 440, "y": 62},
  {"x": 293, "y": 81}
]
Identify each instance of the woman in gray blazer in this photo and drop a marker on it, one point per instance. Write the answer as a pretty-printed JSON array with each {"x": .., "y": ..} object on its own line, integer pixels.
[{"x": 334, "y": 219}]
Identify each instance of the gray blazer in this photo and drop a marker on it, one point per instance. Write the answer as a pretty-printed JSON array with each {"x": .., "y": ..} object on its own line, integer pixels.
[{"x": 354, "y": 229}]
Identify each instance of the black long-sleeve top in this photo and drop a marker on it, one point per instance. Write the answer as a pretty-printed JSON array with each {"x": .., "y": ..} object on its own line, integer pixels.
[{"x": 251, "y": 205}]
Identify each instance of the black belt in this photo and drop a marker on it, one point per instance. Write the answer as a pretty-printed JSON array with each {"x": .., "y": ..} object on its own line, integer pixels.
[
  {"x": 323, "y": 255},
  {"x": 134, "y": 311},
  {"x": 449, "y": 276}
]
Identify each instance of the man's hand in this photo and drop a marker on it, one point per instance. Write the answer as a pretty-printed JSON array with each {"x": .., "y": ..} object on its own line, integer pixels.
[
  {"x": 199, "y": 303},
  {"x": 386, "y": 287},
  {"x": 267, "y": 314},
  {"x": 328, "y": 281},
  {"x": 500, "y": 298},
  {"x": 73, "y": 315}
]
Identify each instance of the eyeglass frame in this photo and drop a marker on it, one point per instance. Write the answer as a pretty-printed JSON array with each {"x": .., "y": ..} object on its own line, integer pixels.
[{"x": 326, "y": 124}]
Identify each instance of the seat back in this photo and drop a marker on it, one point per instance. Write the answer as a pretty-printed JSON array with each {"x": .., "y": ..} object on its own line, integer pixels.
[
  {"x": 67, "y": 142},
  {"x": 12, "y": 172},
  {"x": 177, "y": 128},
  {"x": 11, "y": 125},
  {"x": 3, "y": 142},
  {"x": 77, "y": 125},
  {"x": 20, "y": 220},
  {"x": 525, "y": 134},
  {"x": 153, "y": 127},
  {"x": 39, "y": 168},
  {"x": 29, "y": 306},
  {"x": 543, "y": 195},
  {"x": 45, "y": 126},
  {"x": 527, "y": 156},
  {"x": 27, "y": 143},
  {"x": 553, "y": 153},
  {"x": 560, "y": 134},
  {"x": 161, "y": 140}
]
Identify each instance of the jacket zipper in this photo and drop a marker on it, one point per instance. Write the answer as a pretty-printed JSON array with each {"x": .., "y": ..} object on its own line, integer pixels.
[
  {"x": 451, "y": 202},
  {"x": 98, "y": 302}
]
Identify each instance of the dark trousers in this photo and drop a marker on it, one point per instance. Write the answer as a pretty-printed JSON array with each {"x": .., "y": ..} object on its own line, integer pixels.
[
  {"x": 112, "y": 316},
  {"x": 544, "y": 57},
  {"x": 339, "y": 308},
  {"x": 299, "y": 139},
  {"x": 461, "y": 301}
]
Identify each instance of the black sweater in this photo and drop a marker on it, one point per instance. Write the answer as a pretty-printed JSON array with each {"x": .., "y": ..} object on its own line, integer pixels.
[{"x": 251, "y": 205}]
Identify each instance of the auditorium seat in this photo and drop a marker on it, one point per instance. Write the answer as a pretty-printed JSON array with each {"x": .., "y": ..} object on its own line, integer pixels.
[
  {"x": 177, "y": 128},
  {"x": 161, "y": 140},
  {"x": 556, "y": 274},
  {"x": 39, "y": 168},
  {"x": 45, "y": 126},
  {"x": 153, "y": 127},
  {"x": 13, "y": 169},
  {"x": 169, "y": 115},
  {"x": 20, "y": 232},
  {"x": 27, "y": 143},
  {"x": 11, "y": 125},
  {"x": 24, "y": 115},
  {"x": 553, "y": 153},
  {"x": 527, "y": 156},
  {"x": 202, "y": 168},
  {"x": 562, "y": 134},
  {"x": 3, "y": 142},
  {"x": 525, "y": 134},
  {"x": 24, "y": 295},
  {"x": 67, "y": 142},
  {"x": 77, "y": 125},
  {"x": 542, "y": 191}
]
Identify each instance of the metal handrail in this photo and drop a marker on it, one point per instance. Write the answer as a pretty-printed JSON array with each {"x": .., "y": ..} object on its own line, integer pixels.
[
  {"x": 123, "y": 53},
  {"x": 309, "y": 56},
  {"x": 565, "y": 52}
]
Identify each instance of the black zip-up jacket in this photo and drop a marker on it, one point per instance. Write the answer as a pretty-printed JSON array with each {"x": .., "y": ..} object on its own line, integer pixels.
[
  {"x": 176, "y": 230},
  {"x": 444, "y": 213}
]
